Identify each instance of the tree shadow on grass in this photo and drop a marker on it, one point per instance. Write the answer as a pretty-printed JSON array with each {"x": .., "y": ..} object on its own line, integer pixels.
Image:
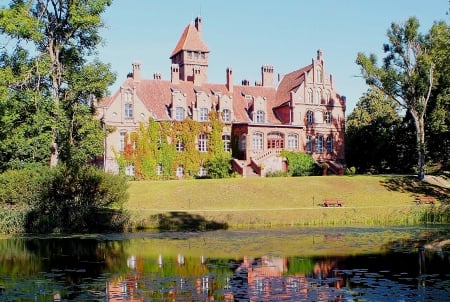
[
  {"x": 183, "y": 221},
  {"x": 410, "y": 184}
]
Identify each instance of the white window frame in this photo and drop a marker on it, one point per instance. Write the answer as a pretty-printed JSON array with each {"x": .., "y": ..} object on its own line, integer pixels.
[
  {"x": 128, "y": 110},
  {"x": 329, "y": 144},
  {"x": 257, "y": 141},
  {"x": 260, "y": 116},
  {"x": 179, "y": 146},
  {"x": 203, "y": 114},
  {"x": 122, "y": 140},
  {"x": 202, "y": 171},
  {"x": 309, "y": 142},
  {"x": 310, "y": 117},
  {"x": 319, "y": 144},
  {"x": 226, "y": 139},
  {"x": 202, "y": 142},
  {"x": 130, "y": 170},
  {"x": 226, "y": 115},
  {"x": 179, "y": 113},
  {"x": 328, "y": 117},
  {"x": 292, "y": 141},
  {"x": 179, "y": 172}
]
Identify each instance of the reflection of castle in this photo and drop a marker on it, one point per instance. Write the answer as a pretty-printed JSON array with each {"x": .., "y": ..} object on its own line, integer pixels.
[{"x": 253, "y": 279}]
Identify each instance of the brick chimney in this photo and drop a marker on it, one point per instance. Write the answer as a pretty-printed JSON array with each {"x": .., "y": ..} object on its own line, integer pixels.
[
  {"x": 175, "y": 73},
  {"x": 197, "y": 75},
  {"x": 136, "y": 71},
  {"x": 230, "y": 80},
  {"x": 267, "y": 76}
]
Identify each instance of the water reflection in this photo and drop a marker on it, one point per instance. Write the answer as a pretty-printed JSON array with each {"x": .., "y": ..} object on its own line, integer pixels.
[{"x": 268, "y": 265}]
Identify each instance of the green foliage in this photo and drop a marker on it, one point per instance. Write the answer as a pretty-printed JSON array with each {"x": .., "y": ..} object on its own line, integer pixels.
[
  {"x": 76, "y": 198},
  {"x": 219, "y": 167},
  {"x": 22, "y": 188},
  {"x": 299, "y": 163},
  {"x": 47, "y": 95},
  {"x": 173, "y": 144}
]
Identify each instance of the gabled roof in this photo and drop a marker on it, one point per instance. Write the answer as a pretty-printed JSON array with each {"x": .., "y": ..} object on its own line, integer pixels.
[
  {"x": 191, "y": 39},
  {"x": 291, "y": 82},
  {"x": 157, "y": 96}
]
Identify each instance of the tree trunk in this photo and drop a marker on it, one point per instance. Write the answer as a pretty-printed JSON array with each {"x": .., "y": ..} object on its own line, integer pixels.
[{"x": 420, "y": 136}]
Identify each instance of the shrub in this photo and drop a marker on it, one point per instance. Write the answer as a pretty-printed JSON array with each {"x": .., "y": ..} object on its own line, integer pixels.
[
  {"x": 219, "y": 167},
  {"x": 299, "y": 163}
]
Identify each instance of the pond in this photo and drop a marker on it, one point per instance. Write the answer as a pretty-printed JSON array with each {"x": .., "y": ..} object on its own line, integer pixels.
[{"x": 293, "y": 264}]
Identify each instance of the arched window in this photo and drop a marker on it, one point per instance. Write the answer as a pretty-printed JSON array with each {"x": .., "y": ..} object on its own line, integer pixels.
[
  {"x": 292, "y": 142},
  {"x": 257, "y": 140},
  {"x": 260, "y": 116},
  {"x": 319, "y": 144},
  {"x": 243, "y": 143},
  {"x": 203, "y": 142},
  {"x": 330, "y": 144},
  {"x": 309, "y": 117},
  {"x": 308, "y": 143},
  {"x": 328, "y": 117},
  {"x": 318, "y": 96},
  {"x": 319, "y": 75},
  {"x": 310, "y": 96}
]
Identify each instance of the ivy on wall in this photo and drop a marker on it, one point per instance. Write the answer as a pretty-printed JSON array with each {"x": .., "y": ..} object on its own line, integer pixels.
[{"x": 169, "y": 145}]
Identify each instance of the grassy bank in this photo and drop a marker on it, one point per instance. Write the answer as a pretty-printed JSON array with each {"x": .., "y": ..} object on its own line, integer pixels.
[{"x": 266, "y": 202}]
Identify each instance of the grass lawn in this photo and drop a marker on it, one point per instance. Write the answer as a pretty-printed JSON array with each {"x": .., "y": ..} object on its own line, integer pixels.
[{"x": 283, "y": 201}]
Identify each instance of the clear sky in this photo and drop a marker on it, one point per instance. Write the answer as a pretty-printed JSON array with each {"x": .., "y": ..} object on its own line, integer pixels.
[{"x": 245, "y": 35}]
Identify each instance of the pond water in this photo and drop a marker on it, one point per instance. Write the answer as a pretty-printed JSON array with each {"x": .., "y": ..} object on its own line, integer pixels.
[{"x": 294, "y": 264}]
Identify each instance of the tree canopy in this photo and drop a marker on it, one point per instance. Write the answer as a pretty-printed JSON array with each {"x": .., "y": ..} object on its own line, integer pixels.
[
  {"x": 49, "y": 79},
  {"x": 408, "y": 73}
]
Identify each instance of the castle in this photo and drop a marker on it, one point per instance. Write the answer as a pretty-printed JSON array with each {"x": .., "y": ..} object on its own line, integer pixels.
[{"x": 300, "y": 111}]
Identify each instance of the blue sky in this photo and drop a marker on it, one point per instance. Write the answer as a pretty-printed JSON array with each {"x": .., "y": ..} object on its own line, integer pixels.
[{"x": 245, "y": 35}]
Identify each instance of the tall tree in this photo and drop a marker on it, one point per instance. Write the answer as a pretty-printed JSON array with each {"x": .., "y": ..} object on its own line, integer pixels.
[
  {"x": 64, "y": 35},
  {"x": 370, "y": 133},
  {"x": 406, "y": 75}
]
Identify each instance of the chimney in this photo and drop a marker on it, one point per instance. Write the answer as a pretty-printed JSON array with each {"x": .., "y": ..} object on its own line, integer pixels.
[
  {"x": 136, "y": 71},
  {"x": 230, "y": 80},
  {"x": 175, "y": 73},
  {"x": 267, "y": 75},
  {"x": 198, "y": 24},
  {"x": 245, "y": 83},
  {"x": 157, "y": 76}
]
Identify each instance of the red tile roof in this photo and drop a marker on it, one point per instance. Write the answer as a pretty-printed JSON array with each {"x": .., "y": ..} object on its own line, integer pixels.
[
  {"x": 191, "y": 39},
  {"x": 290, "y": 82}
]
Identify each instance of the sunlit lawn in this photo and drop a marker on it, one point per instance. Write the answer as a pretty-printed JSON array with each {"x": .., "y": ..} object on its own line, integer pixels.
[{"x": 243, "y": 202}]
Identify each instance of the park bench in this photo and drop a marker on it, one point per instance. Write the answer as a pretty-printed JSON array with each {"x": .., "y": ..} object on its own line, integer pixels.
[
  {"x": 332, "y": 202},
  {"x": 425, "y": 200}
]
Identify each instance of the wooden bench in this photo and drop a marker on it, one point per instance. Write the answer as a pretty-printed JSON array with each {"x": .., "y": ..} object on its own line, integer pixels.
[
  {"x": 332, "y": 202},
  {"x": 425, "y": 200}
]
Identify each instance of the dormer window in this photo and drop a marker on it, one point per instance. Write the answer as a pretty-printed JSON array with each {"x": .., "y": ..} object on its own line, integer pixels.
[
  {"x": 260, "y": 116},
  {"x": 203, "y": 114},
  {"x": 179, "y": 113},
  {"x": 226, "y": 115}
]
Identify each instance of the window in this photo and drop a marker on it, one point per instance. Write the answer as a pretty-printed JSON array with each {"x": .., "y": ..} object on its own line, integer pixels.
[
  {"x": 319, "y": 144},
  {"x": 226, "y": 139},
  {"x": 292, "y": 142},
  {"x": 318, "y": 96},
  {"x": 203, "y": 114},
  {"x": 226, "y": 115},
  {"x": 179, "y": 113},
  {"x": 275, "y": 140},
  {"x": 159, "y": 170},
  {"x": 128, "y": 110},
  {"x": 180, "y": 146},
  {"x": 243, "y": 143},
  {"x": 129, "y": 170},
  {"x": 202, "y": 171},
  {"x": 202, "y": 143},
  {"x": 260, "y": 116},
  {"x": 308, "y": 143},
  {"x": 328, "y": 117},
  {"x": 123, "y": 135},
  {"x": 330, "y": 144},
  {"x": 310, "y": 96},
  {"x": 257, "y": 140},
  {"x": 309, "y": 117},
  {"x": 180, "y": 172},
  {"x": 189, "y": 54}
]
